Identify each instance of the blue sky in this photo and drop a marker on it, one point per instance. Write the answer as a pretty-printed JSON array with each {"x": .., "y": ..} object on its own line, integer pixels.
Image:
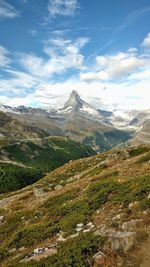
[{"x": 100, "y": 48}]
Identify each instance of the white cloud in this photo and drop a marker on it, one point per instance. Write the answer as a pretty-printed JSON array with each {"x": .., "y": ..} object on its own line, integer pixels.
[
  {"x": 146, "y": 41},
  {"x": 18, "y": 83},
  {"x": 126, "y": 75},
  {"x": 62, "y": 55},
  {"x": 4, "y": 59},
  {"x": 7, "y": 10},
  {"x": 118, "y": 66},
  {"x": 62, "y": 7}
]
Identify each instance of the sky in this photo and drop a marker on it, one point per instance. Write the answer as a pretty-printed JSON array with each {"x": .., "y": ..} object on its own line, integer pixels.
[{"x": 100, "y": 48}]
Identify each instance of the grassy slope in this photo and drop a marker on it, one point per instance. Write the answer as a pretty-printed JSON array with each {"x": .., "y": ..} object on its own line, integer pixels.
[
  {"x": 109, "y": 181},
  {"x": 43, "y": 157}
]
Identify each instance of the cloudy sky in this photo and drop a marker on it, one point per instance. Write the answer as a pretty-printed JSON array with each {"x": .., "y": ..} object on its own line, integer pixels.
[{"x": 100, "y": 48}]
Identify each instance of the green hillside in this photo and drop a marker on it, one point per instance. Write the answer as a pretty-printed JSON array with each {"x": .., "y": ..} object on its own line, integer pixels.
[
  {"x": 36, "y": 159},
  {"x": 97, "y": 204}
]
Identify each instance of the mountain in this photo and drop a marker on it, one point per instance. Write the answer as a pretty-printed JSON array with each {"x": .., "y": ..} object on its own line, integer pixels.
[
  {"x": 101, "y": 129},
  {"x": 141, "y": 122},
  {"x": 89, "y": 212},
  {"x": 77, "y": 120},
  {"x": 76, "y": 105}
]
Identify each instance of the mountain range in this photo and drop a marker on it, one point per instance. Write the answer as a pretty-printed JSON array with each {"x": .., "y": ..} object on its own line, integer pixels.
[{"x": 78, "y": 120}]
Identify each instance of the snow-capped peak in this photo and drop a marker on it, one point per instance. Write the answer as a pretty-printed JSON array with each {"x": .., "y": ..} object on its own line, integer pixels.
[{"x": 76, "y": 104}]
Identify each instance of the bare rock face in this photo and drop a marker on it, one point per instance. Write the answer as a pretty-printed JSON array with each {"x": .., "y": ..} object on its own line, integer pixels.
[{"x": 122, "y": 241}]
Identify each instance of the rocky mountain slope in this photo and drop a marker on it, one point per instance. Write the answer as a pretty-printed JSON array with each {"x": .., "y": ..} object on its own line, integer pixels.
[
  {"x": 89, "y": 212},
  {"x": 77, "y": 120}
]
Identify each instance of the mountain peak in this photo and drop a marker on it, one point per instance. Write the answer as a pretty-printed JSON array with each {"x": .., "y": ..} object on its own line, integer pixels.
[
  {"x": 74, "y": 101},
  {"x": 75, "y": 104}
]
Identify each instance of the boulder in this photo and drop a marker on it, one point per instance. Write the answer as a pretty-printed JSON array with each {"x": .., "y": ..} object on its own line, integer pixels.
[
  {"x": 58, "y": 187},
  {"x": 122, "y": 241},
  {"x": 133, "y": 205},
  {"x": 38, "y": 250},
  {"x": 80, "y": 225},
  {"x": 79, "y": 229},
  {"x": 38, "y": 192},
  {"x": 73, "y": 236},
  {"x": 131, "y": 225}
]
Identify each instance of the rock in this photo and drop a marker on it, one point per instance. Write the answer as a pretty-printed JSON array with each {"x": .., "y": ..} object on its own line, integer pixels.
[
  {"x": 90, "y": 224},
  {"x": 100, "y": 258},
  {"x": 118, "y": 217},
  {"x": 73, "y": 236},
  {"x": 22, "y": 249},
  {"x": 87, "y": 230},
  {"x": 61, "y": 239},
  {"x": 80, "y": 225},
  {"x": 38, "y": 250},
  {"x": 148, "y": 196},
  {"x": 58, "y": 187},
  {"x": 12, "y": 250},
  {"x": 38, "y": 192},
  {"x": 106, "y": 258},
  {"x": 79, "y": 229},
  {"x": 105, "y": 231},
  {"x": 134, "y": 205},
  {"x": 122, "y": 241},
  {"x": 131, "y": 225},
  {"x": 2, "y": 219}
]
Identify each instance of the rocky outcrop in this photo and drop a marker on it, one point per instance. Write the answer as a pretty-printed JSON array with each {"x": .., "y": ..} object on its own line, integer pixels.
[{"x": 122, "y": 241}]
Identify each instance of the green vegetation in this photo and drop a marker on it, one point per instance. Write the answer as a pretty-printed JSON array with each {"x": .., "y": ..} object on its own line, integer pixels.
[
  {"x": 138, "y": 151},
  {"x": 39, "y": 159},
  {"x": 29, "y": 235},
  {"x": 122, "y": 193},
  {"x": 106, "y": 140},
  {"x": 14, "y": 177},
  {"x": 49, "y": 155},
  {"x": 77, "y": 252},
  {"x": 144, "y": 158},
  {"x": 33, "y": 221}
]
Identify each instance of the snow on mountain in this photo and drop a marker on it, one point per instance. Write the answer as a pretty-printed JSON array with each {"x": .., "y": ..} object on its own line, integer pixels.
[{"x": 76, "y": 104}]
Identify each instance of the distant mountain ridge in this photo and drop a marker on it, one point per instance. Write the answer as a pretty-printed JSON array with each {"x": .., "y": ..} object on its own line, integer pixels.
[{"x": 78, "y": 120}]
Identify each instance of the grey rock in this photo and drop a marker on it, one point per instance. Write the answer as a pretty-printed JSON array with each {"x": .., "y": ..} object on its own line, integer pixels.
[
  {"x": 58, "y": 187},
  {"x": 122, "y": 241},
  {"x": 131, "y": 225},
  {"x": 80, "y": 225}
]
